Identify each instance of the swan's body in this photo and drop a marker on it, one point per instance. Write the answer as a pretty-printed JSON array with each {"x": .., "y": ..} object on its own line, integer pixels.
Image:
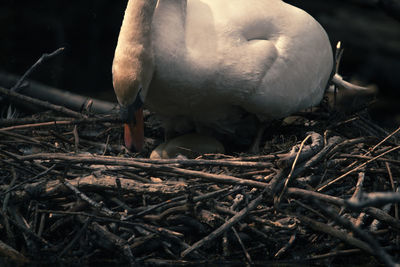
[{"x": 217, "y": 60}]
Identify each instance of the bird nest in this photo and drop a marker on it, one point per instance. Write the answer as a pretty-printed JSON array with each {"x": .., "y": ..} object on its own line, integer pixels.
[{"x": 322, "y": 190}]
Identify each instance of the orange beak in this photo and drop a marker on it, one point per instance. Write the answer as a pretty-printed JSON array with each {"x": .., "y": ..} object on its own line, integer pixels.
[{"x": 134, "y": 132}]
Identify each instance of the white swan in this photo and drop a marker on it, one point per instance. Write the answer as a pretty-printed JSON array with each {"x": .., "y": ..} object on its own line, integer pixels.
[{"x": 207, "y": 63}]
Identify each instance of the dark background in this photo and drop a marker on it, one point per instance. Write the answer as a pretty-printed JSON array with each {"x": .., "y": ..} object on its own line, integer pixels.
[{"x": 89, "y": 30}]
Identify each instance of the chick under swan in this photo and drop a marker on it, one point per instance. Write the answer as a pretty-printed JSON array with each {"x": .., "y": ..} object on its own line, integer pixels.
[{"x": 207, "y": 63}]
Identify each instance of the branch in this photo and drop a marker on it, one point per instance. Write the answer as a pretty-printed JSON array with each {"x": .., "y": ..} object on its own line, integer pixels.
[
  {"x": 29, "y": 100},
  {"x": 373, "y": 199}
]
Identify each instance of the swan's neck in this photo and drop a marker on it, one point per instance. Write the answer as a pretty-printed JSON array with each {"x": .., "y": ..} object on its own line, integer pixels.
[
  {"x": 136, "y": 25},
  {"x": 133, "y": 65}
]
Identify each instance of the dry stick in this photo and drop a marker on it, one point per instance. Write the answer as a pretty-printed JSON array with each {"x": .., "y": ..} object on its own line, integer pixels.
[
  {"x": 106, "y": 145},
  {"x": 10, "y": 186},
  {"x": 360, "y": 182},
  {"x": 104, "y": 183},
  {"x": 20, "y": 136},
  {"x": 377, "y": 250},
  {"x": 332, "y": 142},
  {"x": 41, "y": 224},
  {"x": 210, "y": 162},
  {"x": 384, "y": 140},
  {"x": 307, "y": 151},
  {"x": 357, "y": 193},
  {"x": 390, "y": 176},
  {"x": 8, "y": 252},
  {"x": 181, "y": 201},
  {"x": 330, "y": 230},
  {"x": 373, "y": 125},
  {"x": 29, "y": 139},
  {"x": 347, "y": 143},
  {"x": 319, "y": 214},
  {"x": 344, "y": 155},
  {"x": 162, "y": 215},
  {"x": 372, "y": 149},
  {"x": 109, "y": 160},
  {"x": 34, "y": 125},
  {"x": 285, "y": 247},
  {"x": 28, "y": 180},
  {"x": 76, "y": 237},
  {"x": 355, "y": 169},
  {"x": 93, "y": 203},
  {"x": 43, "y": 58},
  {"x": 278, "y": 200},
  {"x": 375, "y": 224},
  {"x": 76, "y": 138},
  {"x": 221, "y": 178},
  {"x": 9, "y": 232},
  {"x": 16, "y": 158},
  {"x": 333, "y": 254},
  {"x": 292, "y": 191},
  {"x": 338, "y": 56},
  {"x": 16, "y": 96},
  {"x": 117, "y": 241},
  {"x": 331, "y": 145},
  {"x": 27, "y": 122},
  {"x": 374, "y": 199},
  {"x": 396, "y": 206},
  {"x": 159, "y": 230},
  {"x": 366, "y": 128},
  {"x": 246, "y": 253},
  {"x": 383, "y": 217},
  {"x": 223, "y": 228},
  {"x": 26, "y": 230}
]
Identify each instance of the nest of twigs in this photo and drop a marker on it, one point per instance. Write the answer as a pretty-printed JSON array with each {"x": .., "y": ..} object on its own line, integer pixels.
[{"x": 323, "y": 190}]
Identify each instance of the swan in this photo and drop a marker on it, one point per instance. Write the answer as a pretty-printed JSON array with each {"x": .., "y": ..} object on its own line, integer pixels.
[{"x": 217, "y": 65}]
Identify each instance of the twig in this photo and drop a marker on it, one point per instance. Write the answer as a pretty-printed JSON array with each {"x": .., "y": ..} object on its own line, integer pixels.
[
  {"x": 29, "y": 180},
  {"x": 283, "y": 249},
  {"x": 355, "y": 169},
  {"x": 307, "y": 150},
  {"x": 383, "y": 217},
  {"x": 178, "y": 201},
  {"x": 93, "y": 203},
  {"x": 8, "y": 252},
  {"x": 387, "y": 160},
  {"x": 223, "y": 228},
  {"x": 26, "y": 231},
  {"x": 246, "y": 253},
  {"x": 26, "y": 99},
  {"x": 277, "y": 200},
  {"x": 20, "y": 123},
  {"x": 330, "y": 230},
  {"x": 42, "y": 59},
  {"x": 373, "y": 244},
  {"x": 10, "y": 186},
  {"x": 34, "y": 125},
  {"x": 76, "y": 237},
  {"x": 222, "y": 178},
  {"x": 374, "y": 199}
]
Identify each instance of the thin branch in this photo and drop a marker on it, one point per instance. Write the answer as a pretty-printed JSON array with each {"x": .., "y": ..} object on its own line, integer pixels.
[{"x": 26, "y": 99}]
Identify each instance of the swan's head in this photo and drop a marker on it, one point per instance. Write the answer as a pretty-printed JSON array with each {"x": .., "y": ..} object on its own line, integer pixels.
[
  {"x": 133, "y": 68},
  {"x": 131, "y": 79}
]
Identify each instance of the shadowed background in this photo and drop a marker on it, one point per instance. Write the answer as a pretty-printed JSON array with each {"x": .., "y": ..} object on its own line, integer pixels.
[{"x": 89, "y": 31}]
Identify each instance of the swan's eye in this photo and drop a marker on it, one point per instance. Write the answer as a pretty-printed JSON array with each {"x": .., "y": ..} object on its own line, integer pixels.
[
  {"x": 124, "y": 113},
  {"x": 127, "y": 111}
]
